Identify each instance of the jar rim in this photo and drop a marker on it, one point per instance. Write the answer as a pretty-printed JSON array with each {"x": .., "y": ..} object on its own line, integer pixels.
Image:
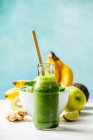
[{"x": 45, "y": 65}]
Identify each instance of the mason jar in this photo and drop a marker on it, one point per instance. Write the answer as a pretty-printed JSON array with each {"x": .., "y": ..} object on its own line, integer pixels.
[{"x": 46, "y": 99}]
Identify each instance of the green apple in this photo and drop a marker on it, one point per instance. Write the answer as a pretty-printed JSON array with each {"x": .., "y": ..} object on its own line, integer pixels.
[{"x": 76, "y": 101}]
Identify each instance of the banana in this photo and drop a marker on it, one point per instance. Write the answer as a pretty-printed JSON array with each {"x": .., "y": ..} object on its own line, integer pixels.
[
  {"x": 11, "y": 93},
  {"x": 19, "y": 83},
  {"x": 66, "y": 76},
  {"x": 63, "y": 73}
]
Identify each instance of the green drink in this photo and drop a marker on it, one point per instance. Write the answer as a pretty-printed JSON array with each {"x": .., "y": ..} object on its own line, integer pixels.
[{"x": 46, "y": 99}]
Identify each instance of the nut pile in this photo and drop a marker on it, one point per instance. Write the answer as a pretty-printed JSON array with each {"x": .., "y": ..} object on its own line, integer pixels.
[{"x": 15, "y": 116}]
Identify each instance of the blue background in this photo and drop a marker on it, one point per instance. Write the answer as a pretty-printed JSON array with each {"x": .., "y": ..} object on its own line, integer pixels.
[{"x": 63, "y": 26}]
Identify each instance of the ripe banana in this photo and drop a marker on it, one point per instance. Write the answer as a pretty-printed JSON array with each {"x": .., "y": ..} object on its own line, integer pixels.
[
  {"x": 19, "y": 83},
  {"x": 11, "y": 93},
  {"x": 63, "y": 73}
]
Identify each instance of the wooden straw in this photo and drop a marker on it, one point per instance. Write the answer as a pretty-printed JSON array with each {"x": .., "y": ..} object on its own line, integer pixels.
[{"x": 37, "y": 48}]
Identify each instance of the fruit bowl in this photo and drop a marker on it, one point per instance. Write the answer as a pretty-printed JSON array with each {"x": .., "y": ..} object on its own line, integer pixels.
[
  {"x": 26, "y": 99},
  {"x": 63, "y": 99}
]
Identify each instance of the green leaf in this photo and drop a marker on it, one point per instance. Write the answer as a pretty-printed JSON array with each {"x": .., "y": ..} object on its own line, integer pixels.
[
  {"x": 30, "y": 83},
  {"x": 61, "y": 88}
]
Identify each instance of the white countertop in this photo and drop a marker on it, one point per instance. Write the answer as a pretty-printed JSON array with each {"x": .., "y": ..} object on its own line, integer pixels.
[{"x": 82, "y": 129}]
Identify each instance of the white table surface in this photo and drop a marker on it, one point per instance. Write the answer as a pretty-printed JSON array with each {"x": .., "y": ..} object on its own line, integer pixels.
[{"x": 82, "y": 129}]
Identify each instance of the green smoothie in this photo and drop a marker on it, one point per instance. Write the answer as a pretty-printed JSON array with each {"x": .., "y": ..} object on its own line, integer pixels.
[{"x": 46, "y": 103}]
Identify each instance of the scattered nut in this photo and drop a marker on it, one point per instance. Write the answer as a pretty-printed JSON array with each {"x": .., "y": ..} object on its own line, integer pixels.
[
  {"x": 22, "y": 113},
  {"x": 15, "y": 116}
]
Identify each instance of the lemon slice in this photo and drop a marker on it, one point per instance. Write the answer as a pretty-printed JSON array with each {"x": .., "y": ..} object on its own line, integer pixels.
[{"x": 71, "y": 116}]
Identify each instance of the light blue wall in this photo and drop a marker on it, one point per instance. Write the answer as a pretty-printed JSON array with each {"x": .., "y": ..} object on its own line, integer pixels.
[{"x": 63, "y": 26}]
